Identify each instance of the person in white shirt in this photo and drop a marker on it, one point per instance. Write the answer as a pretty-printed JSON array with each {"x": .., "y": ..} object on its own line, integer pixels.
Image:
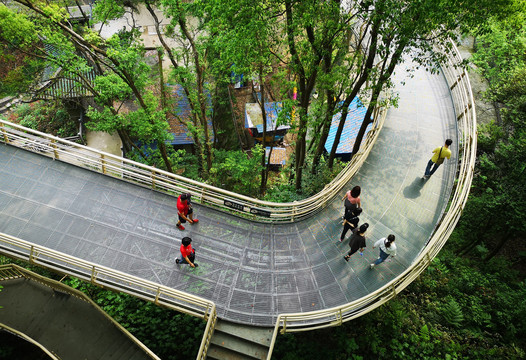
[{"x": 387, "y": 247}]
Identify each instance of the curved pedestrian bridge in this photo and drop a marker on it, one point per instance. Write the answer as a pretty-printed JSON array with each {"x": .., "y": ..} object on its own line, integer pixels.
[{"x": 252, "y": 271}]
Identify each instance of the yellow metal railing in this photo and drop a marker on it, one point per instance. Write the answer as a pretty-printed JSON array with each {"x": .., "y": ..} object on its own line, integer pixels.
[
  {"x": 110, "y": 279},
  {"x": 462, "y": 96},
  {"x": 167, "y": 182},
  {"x": 11, "y": 271}
]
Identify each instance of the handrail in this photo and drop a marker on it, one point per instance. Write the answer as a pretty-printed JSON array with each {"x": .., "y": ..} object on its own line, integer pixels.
[
  {"x": 30, "y": 340},
  {"x": 10, "y": 271},
  {"x": 157, "y": 179},
  {"x": 462, "y": 95},
  {"x": 207, "y": 336},
  {"x": 105, "y": 277},
  {"x": 116, "y": 281}
]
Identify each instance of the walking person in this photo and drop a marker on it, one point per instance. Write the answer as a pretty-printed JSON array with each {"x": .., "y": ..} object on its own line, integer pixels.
[
  {"x": 387, "y": 247},
  {"x": 350, "y": 221},
  {"x": 357, "y": 241},
  {"x": 351, "y": 198},
  {"x": 440, "y": 153},
  {"x": 187, "y": 253},
  {"x": 184, "y": 210}
]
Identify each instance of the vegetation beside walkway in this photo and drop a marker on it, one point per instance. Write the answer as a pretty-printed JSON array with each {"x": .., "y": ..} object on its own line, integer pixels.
[
  {"x": 470, "y": 303},
  {"x": 459, "y": 308}
]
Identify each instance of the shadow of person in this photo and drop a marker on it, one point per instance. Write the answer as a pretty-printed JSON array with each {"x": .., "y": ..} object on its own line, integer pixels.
[{"x": 413, "y": 191}]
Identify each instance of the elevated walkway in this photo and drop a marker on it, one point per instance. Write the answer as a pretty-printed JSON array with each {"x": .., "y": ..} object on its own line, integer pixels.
[
  {"x": 252, "y": 271},
  {"x": 283, "y": 273},
  {"x": 61, "y": 320}
]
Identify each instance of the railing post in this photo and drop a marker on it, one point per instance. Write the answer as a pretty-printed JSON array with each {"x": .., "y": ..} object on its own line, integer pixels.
[
  {"x": 54, "y": 146},
  {"x": 393, "y": 288},
  {"x": 284, "y": 330},
  {"x": 6, "y": 139},
  {"x": 93, "y": 276},
  {"x": 31, "y": 256},
  {"x": 156, "y": 301},
  {"x": 103, "y": 163},
  {"x": 153, "y": 179},
  {"x": 429, "y": 260}
]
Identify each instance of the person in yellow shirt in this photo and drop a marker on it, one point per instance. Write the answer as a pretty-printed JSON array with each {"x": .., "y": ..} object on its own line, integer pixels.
[{"x": 439, "y": 154}]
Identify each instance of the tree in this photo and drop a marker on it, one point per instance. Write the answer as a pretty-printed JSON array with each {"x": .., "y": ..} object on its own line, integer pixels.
[
  {"x": 496, "y": 209},
  {"x": 245, "y": 37},
  {"x": 388, "y": 30},
  {"x": 118, "y": 61}
]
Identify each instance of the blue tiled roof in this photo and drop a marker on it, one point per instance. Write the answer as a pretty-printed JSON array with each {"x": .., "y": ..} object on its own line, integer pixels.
[
  {"x": 352, "y": 125},
  {"x": 182, "y": 110},
  {"x": 253, "y": 117}
]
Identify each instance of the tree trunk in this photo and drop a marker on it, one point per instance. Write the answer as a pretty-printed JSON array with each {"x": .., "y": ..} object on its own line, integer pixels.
[
  {"x": 385, "y": 75},
  {"x": 200, "y": 147},
  {"x": 264, "y": 162},
  {"x": 326, "y": 126},
  {"x": 306, "y": 85},
  {"x": 368, "y": 66},
  {"x": 503, "y": 239}
]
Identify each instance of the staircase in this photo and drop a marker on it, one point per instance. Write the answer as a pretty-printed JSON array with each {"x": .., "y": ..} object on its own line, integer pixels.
[{"x": 239, "y": 342}]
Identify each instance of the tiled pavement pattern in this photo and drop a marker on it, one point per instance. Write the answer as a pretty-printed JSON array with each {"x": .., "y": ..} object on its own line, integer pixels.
[{"x": 252, "y": 271}]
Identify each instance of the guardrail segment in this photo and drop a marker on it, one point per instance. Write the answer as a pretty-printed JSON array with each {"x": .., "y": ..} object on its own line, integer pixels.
[
  {"x": 111, "y": 279},
  {"x": 160, "y": 180},
  {"x": 462, "y": 96}
]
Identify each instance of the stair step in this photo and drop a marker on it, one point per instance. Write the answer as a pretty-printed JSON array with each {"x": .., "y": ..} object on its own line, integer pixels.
[
  {"x": 258, "y": 335},
  {"x": 239, "y": 345},
  {"x": 216, "y": 352}
]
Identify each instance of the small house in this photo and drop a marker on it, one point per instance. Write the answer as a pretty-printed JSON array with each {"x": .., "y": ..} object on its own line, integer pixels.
[{"x": 254, "y": 121}]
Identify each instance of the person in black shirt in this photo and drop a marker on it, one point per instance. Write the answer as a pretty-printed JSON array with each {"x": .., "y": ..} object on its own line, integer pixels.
[
  {"x": 357, "y": 240},
  {"x": 350, "y": 220}
]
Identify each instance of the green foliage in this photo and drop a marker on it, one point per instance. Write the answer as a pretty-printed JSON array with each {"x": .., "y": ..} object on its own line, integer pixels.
[
  {"x": 314, "y": 183},
  {"x": 452, "y": 313},
  {"x": 48, "y": 117},
  {"x": 281, "y": 189},
  {"x": 105, "y": 10},
  {"x": 18, "y": 71},
  {"x": 455, "y": 310},
  {"x": 16, "y": 28},
  {"x": 496, "y": 209},
  {"x": 236, "y": 171},
  {"x": 178, "y": 158}
]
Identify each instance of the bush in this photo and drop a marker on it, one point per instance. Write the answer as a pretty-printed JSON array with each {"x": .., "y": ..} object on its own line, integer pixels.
[{"x": 46, "y": 117}]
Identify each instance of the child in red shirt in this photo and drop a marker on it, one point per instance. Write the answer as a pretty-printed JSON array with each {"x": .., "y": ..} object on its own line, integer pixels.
[
  {"x": 184, "y": 211},
  {"x": 187, "y": 253}
]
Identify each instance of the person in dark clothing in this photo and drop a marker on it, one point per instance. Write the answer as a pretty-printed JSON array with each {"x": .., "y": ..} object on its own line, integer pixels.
[
  {"x": 357, "y": 241},
  {"x": 350, "y": 221}
]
